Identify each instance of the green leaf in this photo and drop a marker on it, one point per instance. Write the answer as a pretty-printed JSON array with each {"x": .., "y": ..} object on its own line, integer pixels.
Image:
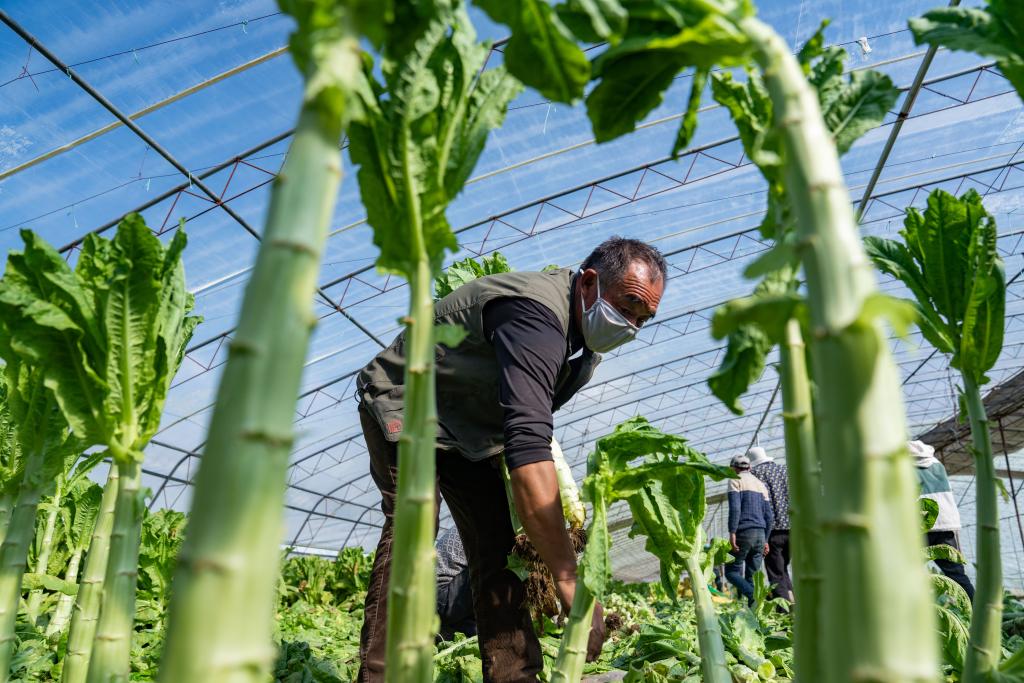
[
  {"x": 742, "y": 365},
  {"x": 813, "y": 48},
  {"x": 541, "y": 52},
  {"x": 858, "y": 106},
  {"x": 467, "y": 270},
  {"x": 594, "y": 20},
  {"x": 517, "y": 565},
  {"x": 51, "y": 583},
  {"x": 449, "y": 335},
  {"x": 751, "y": 109},
  {"x": 894, "y": 258},
  {"x": 951, "y": 264},
  {"x": 421, "y": 137},
  {"x": 996, "y": 31},
  {"x": 632, "y": 85},
  {"x": 665, "y": 493},
  {"x": 951, "y": 594},
  {"x": 1003, "y": 492},
  {"x": 689, "y": 122},
  {"x": 929, "y": 513},
  {"x": 981, "y": 338},
  {"x": 108, "y": 336},
  {"x": 769, "y": 312},
  {"x": 943, "y": 551},
  {"x": 899, "y": 313},
  {"x": 781, "y": 255}
]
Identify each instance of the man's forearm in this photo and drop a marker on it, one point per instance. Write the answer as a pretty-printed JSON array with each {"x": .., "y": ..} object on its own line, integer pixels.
[{"x": 537, "y": 501}]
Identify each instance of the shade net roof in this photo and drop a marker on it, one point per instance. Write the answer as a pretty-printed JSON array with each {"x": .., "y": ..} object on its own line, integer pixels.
[{"x": 219, "y": 92}]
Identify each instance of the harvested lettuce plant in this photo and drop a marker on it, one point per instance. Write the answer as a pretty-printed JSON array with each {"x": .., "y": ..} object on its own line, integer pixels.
[
  {"x": 221, "y": 618},
  {"x": 424, "y": 129},
  {"x": 950, "y": 263},
  {"x": 107, "y": 339},
  {"x": 665, "y": 493}
]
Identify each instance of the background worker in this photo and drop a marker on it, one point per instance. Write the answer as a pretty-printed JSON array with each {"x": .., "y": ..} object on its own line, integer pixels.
[
  {"x": 946, "y": 530},
  {"x": 776, "y": 479},
  {"x": 533, "y": 341},
  {"x": 454, "y": 596},
  {"x": 750, "y": 523}
]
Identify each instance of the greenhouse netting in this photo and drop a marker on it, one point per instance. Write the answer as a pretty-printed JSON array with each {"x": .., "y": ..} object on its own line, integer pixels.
[{"x": 213, "y": 85}]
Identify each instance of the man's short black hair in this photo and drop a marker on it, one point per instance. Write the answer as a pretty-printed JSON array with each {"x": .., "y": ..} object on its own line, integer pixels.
[{"x": 612, "y": 258}]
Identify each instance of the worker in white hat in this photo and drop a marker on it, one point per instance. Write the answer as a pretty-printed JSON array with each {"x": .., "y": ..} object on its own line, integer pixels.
[{"x": 775, "y": 478}]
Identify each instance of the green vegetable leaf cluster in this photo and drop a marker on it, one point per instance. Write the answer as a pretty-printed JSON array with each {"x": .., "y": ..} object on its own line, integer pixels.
[
  {"x": 995, "y": 31},
  {"x": 851, "y": 106},
  {"x": 423, "y": 132},
  {"x": 949, "y": 262},
  {"x": 109, "y": 335},
  {"x": 665, "y": 493},
  {"x": 467, "y": 270}
]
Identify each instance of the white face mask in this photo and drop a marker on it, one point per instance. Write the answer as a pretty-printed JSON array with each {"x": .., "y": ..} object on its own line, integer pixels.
[{"x": 604, "y": 328}]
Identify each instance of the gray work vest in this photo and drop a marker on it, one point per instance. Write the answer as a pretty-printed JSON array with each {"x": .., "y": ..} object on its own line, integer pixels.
[{"x": 470, "y": 416}]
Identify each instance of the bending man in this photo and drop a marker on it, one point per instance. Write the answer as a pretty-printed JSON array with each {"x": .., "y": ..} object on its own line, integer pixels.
[{"x": 533, "y": 341}]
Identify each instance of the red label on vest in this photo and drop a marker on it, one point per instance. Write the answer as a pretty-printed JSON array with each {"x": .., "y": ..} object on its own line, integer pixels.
[{"x": 394, "y": 426}]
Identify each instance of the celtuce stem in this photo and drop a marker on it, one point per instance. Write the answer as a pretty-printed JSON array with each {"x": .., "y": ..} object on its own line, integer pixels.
[
  {"x": 804, "y": 502},
  {"x": 14, "y": 554},
  {"x": 984, "y": 647},
  {"x": 572, "y": 504},
  {"x": 221, "y": 616},
  {"x": 572, "y": 650},
  {"x": 110, "y": 660},
  {"x": 65, "y": 603},
  {"x": 90, "y": 591},
  {"x": 6, "y": 506},
  {"x": 709, "y": 633},
  {"x": 411, "y": 588},
  {"x": 880, "y": 630},
  {"x": 35, "y": 598}
]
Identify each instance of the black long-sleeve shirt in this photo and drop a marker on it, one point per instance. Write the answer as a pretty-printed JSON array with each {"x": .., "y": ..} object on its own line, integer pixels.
[{"x": 531, "y": 349}]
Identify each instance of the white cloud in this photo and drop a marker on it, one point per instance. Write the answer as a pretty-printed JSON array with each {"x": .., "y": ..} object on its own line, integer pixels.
[{"x": 12, "y": 144}]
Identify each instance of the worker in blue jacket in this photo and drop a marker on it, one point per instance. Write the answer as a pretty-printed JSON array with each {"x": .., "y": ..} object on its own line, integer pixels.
[{"x": 750, "y": 523}]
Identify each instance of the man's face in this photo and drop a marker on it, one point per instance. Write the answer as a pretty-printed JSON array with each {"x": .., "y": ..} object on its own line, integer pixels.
[{"x": 636, "y": 297}]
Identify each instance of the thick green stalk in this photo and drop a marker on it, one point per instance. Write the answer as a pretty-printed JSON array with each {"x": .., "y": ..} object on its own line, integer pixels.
[
  {"x": 985, "y": 645},
  {"x": 412, "y": 586},
  {"x": 90, "y": 591},
  {"x": 110, "y": 661},
  {"x": 709, "y": 633},
  {"x": 880, "y": 630},
  {"x": 572, "y": 650},
  {"x": 35, "y": 598},
  {"x": 65, "y": 603},
  {"x": 6, "y": 506},
  {"x": 804, "y": 502},
  {"x": 14, "y": 554},
  {"x": 572, "y": 504},
  {"x": 221, "y": 616}
]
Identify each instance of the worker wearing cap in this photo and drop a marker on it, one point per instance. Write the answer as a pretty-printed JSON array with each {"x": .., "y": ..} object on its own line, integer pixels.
[
  {"x": 776, "y": 479},
  {"x": 750, "y": 522},
  {"x": 935, "y": 485}
]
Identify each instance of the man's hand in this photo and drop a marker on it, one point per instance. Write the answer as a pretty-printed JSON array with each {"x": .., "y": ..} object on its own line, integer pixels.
[
  {"x": 597, "y": 633},
  {"x": 766, "y": 549},
  {"x": 732, "y": 540}
]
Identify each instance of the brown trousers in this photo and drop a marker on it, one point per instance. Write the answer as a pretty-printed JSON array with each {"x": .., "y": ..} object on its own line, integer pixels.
[{"x": 475, "y": 494}]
